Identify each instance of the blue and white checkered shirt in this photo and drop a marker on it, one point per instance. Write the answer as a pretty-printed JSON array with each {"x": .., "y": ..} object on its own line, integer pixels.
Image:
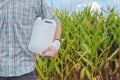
[{"x": 16, "y": 24}]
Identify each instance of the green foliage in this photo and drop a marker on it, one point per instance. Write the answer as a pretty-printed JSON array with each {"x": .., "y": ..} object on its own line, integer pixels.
[{"x": 88, "y": 42}]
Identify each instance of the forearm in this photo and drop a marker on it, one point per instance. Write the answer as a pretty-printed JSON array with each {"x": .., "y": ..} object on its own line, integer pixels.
[{"x": 58, "y": 32}]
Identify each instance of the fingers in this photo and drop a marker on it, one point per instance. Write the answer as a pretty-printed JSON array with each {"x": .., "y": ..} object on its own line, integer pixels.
[
  {"x": 45, "y": 52},
  {"x": 49, "y": 52}
]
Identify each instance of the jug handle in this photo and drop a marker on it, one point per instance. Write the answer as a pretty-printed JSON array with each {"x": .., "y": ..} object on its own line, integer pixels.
[{"x": 49, "y": 21}]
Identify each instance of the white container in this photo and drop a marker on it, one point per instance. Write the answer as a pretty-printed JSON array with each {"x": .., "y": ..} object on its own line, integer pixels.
[{"x": 42, "y": 35}]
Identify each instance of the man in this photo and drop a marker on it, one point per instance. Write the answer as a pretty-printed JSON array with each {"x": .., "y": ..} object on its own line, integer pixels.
[{"x": 16, "y": 21}]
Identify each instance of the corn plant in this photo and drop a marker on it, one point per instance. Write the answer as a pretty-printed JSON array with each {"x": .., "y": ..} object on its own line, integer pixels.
[{"x": 90, "y": 48}]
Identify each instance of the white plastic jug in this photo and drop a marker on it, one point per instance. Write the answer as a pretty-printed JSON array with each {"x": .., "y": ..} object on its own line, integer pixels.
[{"x": 42, "y": 35}]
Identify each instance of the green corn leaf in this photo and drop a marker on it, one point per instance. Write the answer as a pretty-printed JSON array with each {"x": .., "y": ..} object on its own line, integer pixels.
[
  {"x": 88, "y": 74},
  {"x": 50, "y": 66},
  {"x": 113, "y": 54},
  {"x": 40, "y": 72},
  {"x": 58, "y": 70},
  {"x": 70, "y": 71},
  {"x": 86, "y": 60},
  {"x": 40, "y": 61}
]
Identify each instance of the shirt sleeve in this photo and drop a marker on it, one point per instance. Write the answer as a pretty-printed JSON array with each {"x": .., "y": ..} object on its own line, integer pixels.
[{"x": 46, "y": 12}]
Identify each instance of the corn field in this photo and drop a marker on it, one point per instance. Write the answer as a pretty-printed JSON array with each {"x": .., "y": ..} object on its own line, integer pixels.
[{"x": 90, "y": 48}]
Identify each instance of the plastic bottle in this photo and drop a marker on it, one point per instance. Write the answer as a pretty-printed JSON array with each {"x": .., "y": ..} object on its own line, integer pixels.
[{"x": 42, "y": 35}]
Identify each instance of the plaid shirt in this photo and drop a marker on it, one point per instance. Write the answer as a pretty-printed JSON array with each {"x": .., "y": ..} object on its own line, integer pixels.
[{"x": 16, "y": 21}]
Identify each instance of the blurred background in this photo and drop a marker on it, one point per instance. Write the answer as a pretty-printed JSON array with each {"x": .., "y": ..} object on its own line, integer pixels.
[
  {"x": 90, "y": 41},
  {"x": 78, "y": 5}
]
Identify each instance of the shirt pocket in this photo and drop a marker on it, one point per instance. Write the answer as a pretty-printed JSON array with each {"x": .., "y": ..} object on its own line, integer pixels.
[
  {"x": 2, "y": 1},
  {"x": 2, "y": 5},
  {"x": 1, "y": 14},
  {"x": 26, "y": 14}
]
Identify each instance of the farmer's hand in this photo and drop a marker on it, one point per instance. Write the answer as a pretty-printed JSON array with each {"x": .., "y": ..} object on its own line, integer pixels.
[{"x": 51, "y": 50}]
